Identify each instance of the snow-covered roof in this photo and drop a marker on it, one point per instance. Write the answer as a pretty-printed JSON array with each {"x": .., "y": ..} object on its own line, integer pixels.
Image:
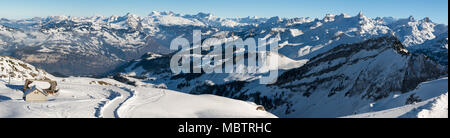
[
  {"x": 34, "y": 88},
  {"x": 40, "y": 84}
]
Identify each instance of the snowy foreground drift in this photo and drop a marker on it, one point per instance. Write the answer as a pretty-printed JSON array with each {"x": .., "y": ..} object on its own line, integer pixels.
[
  {"x": 86, "y": 98},
  {"x": 429, "y": 100}
]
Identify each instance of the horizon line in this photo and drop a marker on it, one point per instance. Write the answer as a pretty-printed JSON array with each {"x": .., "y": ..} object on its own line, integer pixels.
[{"x": 212, "y": 14}]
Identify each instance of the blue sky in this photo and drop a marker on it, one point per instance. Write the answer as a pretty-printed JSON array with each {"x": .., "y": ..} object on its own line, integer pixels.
[{"x": 437, "y": 10}]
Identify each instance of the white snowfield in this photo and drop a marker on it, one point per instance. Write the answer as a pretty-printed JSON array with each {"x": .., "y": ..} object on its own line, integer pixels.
[
  {"x": 80, "y": 99},
  {"x": 434, "y": 103}
]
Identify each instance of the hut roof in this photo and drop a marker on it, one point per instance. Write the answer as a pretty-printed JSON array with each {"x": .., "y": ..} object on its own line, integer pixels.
[{"x": 33, "y": 88}]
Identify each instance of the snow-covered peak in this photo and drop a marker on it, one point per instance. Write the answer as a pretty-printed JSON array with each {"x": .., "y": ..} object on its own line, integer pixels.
[
  {"x": 129, "y": 20},
  {"x": 413, "y": 32},
  {"x": 169, "y": 18},
  {"x": 360, "y": 14},
  {"x": 275, "y": 19},
  {"x": 411, "y": 18},
  {"x": 426, "y": 19},
  {"x": 132, "y": 20},
  {"x": 389, "y": 20},
  {"x": 131, "y": 16},
  {"x": 207, "y": 18},
  {"x": 205, "y": 15},
  {"x": 126, "y": 17},
  {"x": 58, "y": 19},
  {"x": 329, "y": 17},
  {"x": 158, "y": 13}
]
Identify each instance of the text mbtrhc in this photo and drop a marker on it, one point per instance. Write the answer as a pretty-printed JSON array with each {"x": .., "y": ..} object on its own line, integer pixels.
[{"x": 226, "y": 128}]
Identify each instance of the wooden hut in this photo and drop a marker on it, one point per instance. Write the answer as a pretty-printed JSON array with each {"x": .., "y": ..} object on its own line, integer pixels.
[{"x": 34, "y": 94}]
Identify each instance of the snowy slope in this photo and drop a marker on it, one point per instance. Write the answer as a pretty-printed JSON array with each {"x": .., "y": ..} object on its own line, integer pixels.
[
  {"x": 433, "y": 108},
  {"x": 150, "y": 102},
  {"x": 107, "y": 98},
  {"x": 431, "y": 102},
  {"x": 80, "y": 98},
  {"x": 14, "y": 69}
]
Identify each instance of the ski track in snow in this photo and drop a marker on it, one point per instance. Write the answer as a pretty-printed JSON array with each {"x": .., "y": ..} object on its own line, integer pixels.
[
  {"x": 129, "y": 104},
  {"x": 132, "y": 93},
  {"x": 78, "y": 99},
  {"x": 109, "y": 108},
  {"x": 120, "y": 102}
]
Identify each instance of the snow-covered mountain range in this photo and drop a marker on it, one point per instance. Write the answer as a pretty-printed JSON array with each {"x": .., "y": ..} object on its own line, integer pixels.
[
  {"x": 337, "y": 66},
  {"x": 93, "y": 45}
]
